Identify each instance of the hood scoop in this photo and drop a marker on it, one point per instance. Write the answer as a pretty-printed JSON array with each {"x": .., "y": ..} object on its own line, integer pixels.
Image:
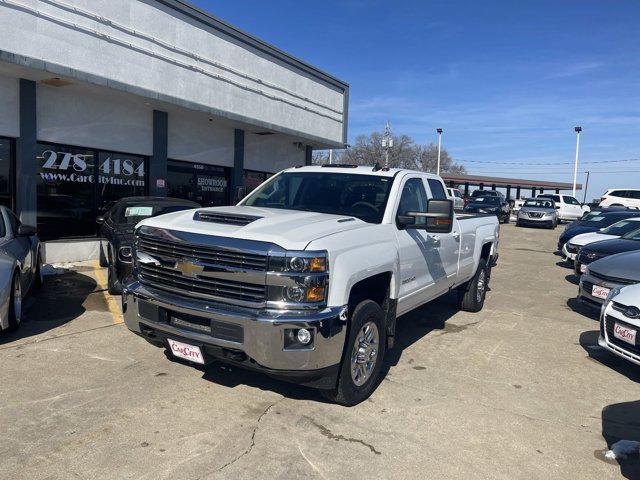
[{"x": 225, "y": 218}]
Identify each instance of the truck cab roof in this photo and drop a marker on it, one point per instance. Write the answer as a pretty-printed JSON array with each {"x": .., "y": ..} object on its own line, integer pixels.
[{"x": 357, "y": 169}]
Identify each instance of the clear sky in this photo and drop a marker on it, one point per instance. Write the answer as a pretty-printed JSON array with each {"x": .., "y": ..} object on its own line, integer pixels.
[{"x": 506, "y": 80}]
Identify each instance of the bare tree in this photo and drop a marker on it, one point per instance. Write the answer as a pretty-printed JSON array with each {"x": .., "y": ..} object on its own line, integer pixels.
[{"x": 367, "y": 150}]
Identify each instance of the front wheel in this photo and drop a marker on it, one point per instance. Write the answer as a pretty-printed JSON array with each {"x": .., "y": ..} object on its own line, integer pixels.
[
  {"x": 473, "y": 293},
  {"x": 363, "y": 355}
]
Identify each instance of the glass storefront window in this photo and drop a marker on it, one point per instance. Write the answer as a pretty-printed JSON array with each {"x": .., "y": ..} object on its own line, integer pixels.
[
  {"x": 253, "y": 179},
  {"x": 75, "y": 185},
  {"x": 66, "y": 192},
  {"x": 6, "y": 162},
  {"x": 119, "y": 175},
  {"x": 205, "y": 184}
]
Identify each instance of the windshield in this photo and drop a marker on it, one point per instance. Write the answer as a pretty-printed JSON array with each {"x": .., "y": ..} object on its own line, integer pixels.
[
  {"x": 621, "y": 227},
  {"x": 132, "y": 213},
  {"x": 555, "y": 198},
  {"x": 361, "y": 196},
  {"x": 539, "y": 203},
  {"x": 484, "y": 193},
  {"x": 633, "y": 235},
  {"x": 488, "y": 200}
]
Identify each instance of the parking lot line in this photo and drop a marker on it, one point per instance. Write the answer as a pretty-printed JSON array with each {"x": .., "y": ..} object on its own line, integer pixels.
[{"x": 112, "y": 304}]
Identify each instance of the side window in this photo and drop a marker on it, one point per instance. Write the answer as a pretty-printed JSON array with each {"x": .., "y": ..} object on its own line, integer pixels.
[
  {"x": 437, "y": 190},
  {"x": 570, "y": 200},
  {"x": 457, "y": 193},
  {"x": 635, "y": 194},
  {"x": 13, "y": 221},
  {"x": 413, "y": 198},
  {"x": 3, "y": 228},
  {"x": 619, "y": 193}
]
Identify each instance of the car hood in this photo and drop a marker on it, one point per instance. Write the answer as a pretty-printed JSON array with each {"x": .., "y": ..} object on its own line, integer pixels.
[
  {"x": 613, "y": 246},
  {"x": 585, "y": 238},
  {"x": 629, "y": 296},
  {"x": 290, "y": 229},
  {"x": 623, "y": 265},
  {"x": 569, "y": 233}
]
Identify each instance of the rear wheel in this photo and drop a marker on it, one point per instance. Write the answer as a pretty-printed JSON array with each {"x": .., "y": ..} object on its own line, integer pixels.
[
  {"x": 362, "y": 358},
  {"x": 112, "y": 278},
  {"x": 473, "y": 293},
  {"x": 15, "y": 303},
  {"x": 103, "y": 259}
]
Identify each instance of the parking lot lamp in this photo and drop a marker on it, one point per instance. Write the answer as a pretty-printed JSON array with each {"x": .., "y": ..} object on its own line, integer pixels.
[
  {"x": 439, "y": 130},
  {"x": 575, "y": 166},
  {"x": 387, "y": 143}
]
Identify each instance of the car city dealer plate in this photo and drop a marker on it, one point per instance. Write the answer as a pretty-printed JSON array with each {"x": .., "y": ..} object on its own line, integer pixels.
[
  {"x": 600, "y": 292},
  {"x": 625, "y": 334},
  {"x": 186, "y": 351}
]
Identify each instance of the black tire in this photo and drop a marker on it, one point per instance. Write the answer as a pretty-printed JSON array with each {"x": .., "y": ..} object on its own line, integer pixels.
[
  {"x": 37, "y": 274},
  {"x": 15, "y": 318},
  {"x": 508, "y": 219},
  {"x": 103, "y": 260},
  {"x": 347, "y": 391},
  {"x": 518, "y": 224},
  {"x": 472, "y": 294},
  {"x": 113, "y": 286}
]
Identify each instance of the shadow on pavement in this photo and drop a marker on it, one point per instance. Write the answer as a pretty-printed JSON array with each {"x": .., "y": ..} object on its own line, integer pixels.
[
  {"x": 410, "y": 328},
  {"x": 61, "y": 299},
  {"x": 621, "y": 421},
  {"x": 577, "y": 306},
  {"x": 572, "y": 278},
  {"x": 589, "y": 341}
]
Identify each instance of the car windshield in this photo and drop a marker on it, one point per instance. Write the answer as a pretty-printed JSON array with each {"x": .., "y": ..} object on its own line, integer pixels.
[
  {"x": 132, "y": 213},
  {"x": 621, "y": 227},
  {"x": 539, "y": 203},
  {"x": 633, "y": 235},
  {"x": 488, "y": 200},
  {"x": 484, "y": 193},
  {"x": 599, "y": 220},
  {"x": 361, "y": 196}
]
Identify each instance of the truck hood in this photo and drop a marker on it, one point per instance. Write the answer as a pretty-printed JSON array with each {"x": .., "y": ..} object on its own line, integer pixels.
[{"x": 290, "y": 229}]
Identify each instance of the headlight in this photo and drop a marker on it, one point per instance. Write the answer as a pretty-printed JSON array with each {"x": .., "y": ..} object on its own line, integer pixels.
[
  {"x": 298, "y": 280},
  {"x": 125, "y": 254}
]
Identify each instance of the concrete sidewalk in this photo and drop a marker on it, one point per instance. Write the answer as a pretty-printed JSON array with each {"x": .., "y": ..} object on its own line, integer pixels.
[{"x": 519, "y": 390}]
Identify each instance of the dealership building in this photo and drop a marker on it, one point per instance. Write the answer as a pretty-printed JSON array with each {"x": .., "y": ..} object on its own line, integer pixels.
[{"x": 104, "y": 99}]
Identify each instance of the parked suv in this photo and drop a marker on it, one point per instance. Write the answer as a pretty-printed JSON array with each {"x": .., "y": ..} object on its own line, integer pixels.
[
  {"x": 569, "y": 209},
  {"x": 618, "y": 197}
]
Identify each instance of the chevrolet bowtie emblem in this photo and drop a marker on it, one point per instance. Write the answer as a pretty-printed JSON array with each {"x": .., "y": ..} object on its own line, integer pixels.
[{"x": 189, "y": 269}]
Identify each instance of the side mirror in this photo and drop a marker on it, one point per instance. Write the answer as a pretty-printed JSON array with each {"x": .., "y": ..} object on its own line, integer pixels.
[
  {"x": 438, "y": 217},
  {"x": 557, "y": 207},
  {"x": 100, "y": 219},
  {"x": 26, "y": 231}
]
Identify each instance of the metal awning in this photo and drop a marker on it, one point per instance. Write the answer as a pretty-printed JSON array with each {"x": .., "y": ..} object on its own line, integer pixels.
[{"x": 480, "y": 180}]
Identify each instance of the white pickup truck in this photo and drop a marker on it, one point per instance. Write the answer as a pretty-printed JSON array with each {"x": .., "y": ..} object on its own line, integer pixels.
[{"x": 305, "y": 277}]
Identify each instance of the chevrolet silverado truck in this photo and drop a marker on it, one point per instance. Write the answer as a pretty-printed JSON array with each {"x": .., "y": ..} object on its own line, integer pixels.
[{"x": 304, "y": 278}]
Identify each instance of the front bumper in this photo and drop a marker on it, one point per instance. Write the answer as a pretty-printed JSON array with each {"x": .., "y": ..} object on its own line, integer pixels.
[
  {"x": 586, "y": 284},
  {"x": 535, "y": 222},
  {"x": 257, "y": 337}
]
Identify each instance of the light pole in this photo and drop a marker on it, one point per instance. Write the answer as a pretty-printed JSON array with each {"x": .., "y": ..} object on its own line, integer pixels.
[
  {"x": 439, "y": 130},
  {"x": 387, "y": 143},
  {"x": 575, "y": 166}
]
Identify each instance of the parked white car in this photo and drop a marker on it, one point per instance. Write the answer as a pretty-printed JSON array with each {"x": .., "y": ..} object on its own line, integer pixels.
[
  {"x": 517, "y": 205},
  {"x": 569, "y": 209},
  {"x": 620, "y": 323},
  {"x": 570, "y": 249},
  {"x": 621, "y": 197},
  {"x": 456, "y": 195}
]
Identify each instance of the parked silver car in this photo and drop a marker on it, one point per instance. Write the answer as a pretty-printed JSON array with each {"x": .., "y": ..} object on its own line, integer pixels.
[
  {"x": 20, "y": 263},
  {"x": 539, "y": 212}
]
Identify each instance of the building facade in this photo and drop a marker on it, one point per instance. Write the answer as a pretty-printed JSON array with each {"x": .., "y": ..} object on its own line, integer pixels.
[{"x": 104, "y": 99}]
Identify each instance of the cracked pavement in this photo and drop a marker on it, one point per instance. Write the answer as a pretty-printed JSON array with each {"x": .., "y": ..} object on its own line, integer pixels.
[{"x": 519, "y": 390}]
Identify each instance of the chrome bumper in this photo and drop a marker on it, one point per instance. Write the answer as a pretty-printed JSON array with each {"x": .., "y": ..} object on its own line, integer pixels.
[{"x": 263, "y": 330}]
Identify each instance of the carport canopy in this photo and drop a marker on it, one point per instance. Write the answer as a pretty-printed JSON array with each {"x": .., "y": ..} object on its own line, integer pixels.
[{"x": 491, "y": 183}]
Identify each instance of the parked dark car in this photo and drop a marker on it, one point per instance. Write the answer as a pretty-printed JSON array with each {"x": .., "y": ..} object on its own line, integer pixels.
[
  {"x": 491, "y": 204},
  {"x": 606, "y": 274},
  {"x": 486, "y": 193},
  {"x": 116, "y": 232},
  {"x": 20, "y": 264},
  {"x": 594, "y": 221},
  {"x": 629, "y": 242}
]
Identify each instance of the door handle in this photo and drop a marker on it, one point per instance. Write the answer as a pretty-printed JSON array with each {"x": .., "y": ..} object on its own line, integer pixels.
[
  {"x": 436, "y": 240},
  {"x": 456, "y": 235}
]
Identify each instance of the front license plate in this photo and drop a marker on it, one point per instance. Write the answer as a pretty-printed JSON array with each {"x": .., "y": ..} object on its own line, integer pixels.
[
  {"x": 625, "y": 334},
  {"x": 186, "y": 351},
  {"x": 583, "y": 268},
  {"x": 600, "y": 292}
]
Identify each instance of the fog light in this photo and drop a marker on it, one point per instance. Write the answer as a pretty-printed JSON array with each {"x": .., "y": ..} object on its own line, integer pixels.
[
  {"x": 304, "y": 336},
  {"x": 125, "y": 254},
  {"x": 315, "y": 294}
]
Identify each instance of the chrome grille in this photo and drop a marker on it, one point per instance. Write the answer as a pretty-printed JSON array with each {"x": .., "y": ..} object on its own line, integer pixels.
[
  {"x": 224, "y": 258},
  {"x": 168, "y": 278},
  {"x": 535, "y": 214}
]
